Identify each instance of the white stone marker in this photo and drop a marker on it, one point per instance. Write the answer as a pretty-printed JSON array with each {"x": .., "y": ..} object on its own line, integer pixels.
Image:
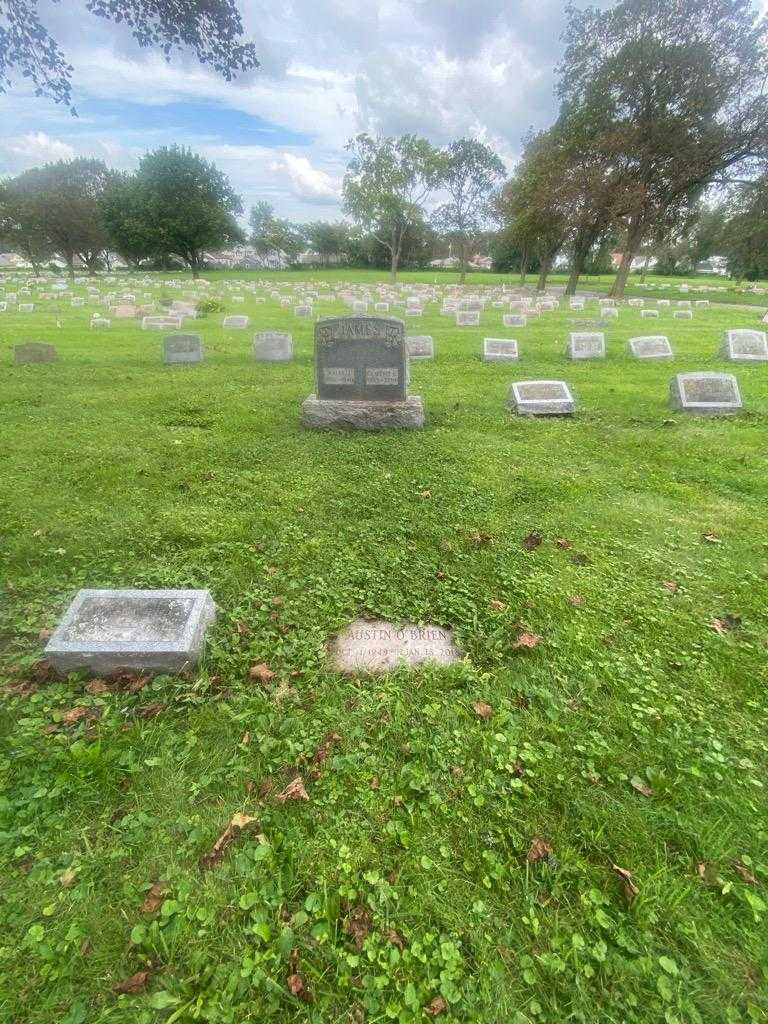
[
  {"x": 381, "y": 307},
  {"x": 745, "y": 346},
  {"x": 26, "y": 307},
  {"x": 648, "y": 314},
  {"x": 302, "y": 311},
  {"x": 705, "y": 392},
  {"x": 420, "y": 346},
  {"x": 272, "y": 347},
  {"x": 541, "y": 398},
  {"x": 586, "y": 345},
  {"x": 109, "y": 631},
  {"x": 652, "y": 346},
  {"x": 683, "y": 314},
  {"x": 235, "y": 323},
  {"x": 497, "y": 350},
  {"x": 609, "y": 313},
  {"x": 378, "y": 646},
  {"x": 183, "y": 348},
  {"x": 514, "y": 320},
  {"x": 467, "y": 318},
  {"x": 160, "y": 323}
]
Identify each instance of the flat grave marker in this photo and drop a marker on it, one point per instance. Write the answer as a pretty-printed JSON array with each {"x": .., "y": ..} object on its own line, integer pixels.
[
  {"x": 652, "y": 346},
  {"x": 273, "y": 347},
  {"x": 586, "y": 345},
  {"x": 420, "y": 346},
  {"x": 541, "y": 398},
  {"x": 705, "y": 392},
  {"x": 182, "y": 348},
  {"x": 378, "y": 646},
  {"x": 34, "y": 352},
  {"x": 745, "y": 346},
  {"x": 236, "y": 323},
  {"x": 497, "y": 350}
]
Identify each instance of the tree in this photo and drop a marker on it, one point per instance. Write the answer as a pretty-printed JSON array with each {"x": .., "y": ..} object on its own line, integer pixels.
[
  {"x": 273, "y": 237},
  {"x": 386, "y": 184},
  {"x": 471, "y": 172},
  {"x": 672, "y": 92},
  {"x": 122, "y": 209},
  {"x": 210, "y": 28},
  {"x": 744, "y": 239},
  {"x": 182, "y": 204},
  {"x": 328, "y": 240},
  {"x": 56, "y": 209},
  {"x": 21, "y": 226}
]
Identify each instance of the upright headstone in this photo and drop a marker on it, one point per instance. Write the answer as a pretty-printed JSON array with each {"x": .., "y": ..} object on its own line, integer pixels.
[
  {"x": 705, "y": 392},
  {"x": 609, "y": 313},
  {"x": 34, "y": 352},
  {"x": 110, "y": 631},
  {"x": 361, "y": 374},
  {"x": 652, "y": 346},
  {"x": 541, "y": 398},
  {"x": 420, "y": 346},
  {"x": 586, "y": 345},
  {"x": 182, "y": 348},
  {"x": 745, "y": 346},
  {"x": 499, "y": 350},
  {"x": 272, "y": 347}
]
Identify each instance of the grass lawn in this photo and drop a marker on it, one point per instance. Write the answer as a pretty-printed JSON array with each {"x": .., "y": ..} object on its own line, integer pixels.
[{"x": 447, "y": 865}]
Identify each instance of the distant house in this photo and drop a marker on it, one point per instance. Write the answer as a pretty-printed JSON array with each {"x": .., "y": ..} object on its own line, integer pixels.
[
  {"x": 714, "y": 265},
  {"x": 11, "y": 260},
  {"x": 244, "y": 257}
]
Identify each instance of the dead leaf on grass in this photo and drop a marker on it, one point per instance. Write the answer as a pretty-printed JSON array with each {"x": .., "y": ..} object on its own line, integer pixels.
[
  {"x": 358, "y": 924},
  {"x": 437, "y": 1006},
  {"x": 261, "y": 672},
  {"x": 563, "y": 543},
  {"x": 725, "y": 625},
  {"x": 538, "y": 850},
  {"x": 154, "y": 898},
  {"x": 532, "y": 541},
  {"x": 708, "y": 873},
  {"x": 395, "y": 938},
  {"x": 79, "y": 714},
  {"x": 641, "y": 786},
  {"x": 96, "y": 687},
  {"x": 238, "y": 823},
  {"x": 670, "y": 585},
  {"x": 576, "y": 601},
  {"x": 526, "y": 640},
  {"x": 482, "y": 710},
  {"x": 711, "y": 538},
  {"x": 150, "y": 710},
  {"x": 293, "y": 791},
  {"x": 481, "y": 539},
  {"x": 744, "y": 873},
  {"x": 580, "y": 559},
  {"x": 497, "y": 606},
  {"x": 630, "y": 889},
  {"x": 133, "y": 985}
]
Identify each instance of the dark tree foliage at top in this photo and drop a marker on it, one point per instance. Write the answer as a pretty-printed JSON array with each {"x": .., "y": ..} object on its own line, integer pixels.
[{"x": 212, "y": 29}]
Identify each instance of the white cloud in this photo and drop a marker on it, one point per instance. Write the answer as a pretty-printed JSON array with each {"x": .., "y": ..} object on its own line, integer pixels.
[
  {"x": 38, "y": 148},
  {"x": 309, "y": 183}
]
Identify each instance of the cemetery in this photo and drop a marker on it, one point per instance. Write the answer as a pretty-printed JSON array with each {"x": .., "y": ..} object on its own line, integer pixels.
[
  {"x": 219, "y": 592},
  {"x": 383, "y": 512}
]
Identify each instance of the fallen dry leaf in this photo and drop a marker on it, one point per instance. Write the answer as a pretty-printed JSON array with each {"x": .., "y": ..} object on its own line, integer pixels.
[
  {"x": 261, "y": 672},
  {"x": 576, "y": 601},
  {"x": 67, "y": 878},
  {"x": 497, "y": 606},
  {"x": 480, "y": 539},
  {"x": 293, "y": 791},
  {"x": 96, "y": 687},
  {"x": 538, "y": 850},
  {"x": 630, "y": 889},
  {"x": 131, "y": 986},
  {"x": 278, "y": 602},
  {"x": 154, "y": 898},
  {"x": 150, "y": 710},
  {"x": 670, "y": 585},
  {"x": 395, "y": 938},
  {"x": 711, "y": 538},
  {"x": 482, "y": 710},
  {"x": 532, "y": 541},
  {"x": 79, "y": 713},
  {"x": 563, "y": 543},
  {"x": 526, "y": 640},
  {"x": 436, "y": 1007},
  {"x": 358, "y": 925},
  {"x": 238, "y": 823},
  {"x": 641, "y": 786},
  {"x": 425, "y": 494},
  {"x": 744, "y": 873},
  {"x": 725, "y": 624},
  {"x": 707, "y": 873},
  {"x": 580, "y": 559}
]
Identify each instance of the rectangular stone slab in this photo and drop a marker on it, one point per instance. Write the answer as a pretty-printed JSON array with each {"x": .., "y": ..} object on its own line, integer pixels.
[
  {"x": 420, "y": 346},
  {"x": 541, "y": 398},
  {"x": 273, "y": 347},
  {"x": 361, "y": 359},
  {"x": 497, "y": 350},
  {"x": 378, "y": 646},
  {"x": 34, "y": 352},
  {"x": 652, "y": 346},
  {"x": 706, "y": 393},
  {"x": 182, "y": 348},
  {"x": 328, "y": 414},
  {"x": 586, "y": 345},
  {"x": 109, "y": 631},
  {"x": 745, "y": 346}
]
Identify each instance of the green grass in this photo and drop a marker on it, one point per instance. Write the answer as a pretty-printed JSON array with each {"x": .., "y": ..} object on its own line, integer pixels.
[{"x": 119, "y": 471}]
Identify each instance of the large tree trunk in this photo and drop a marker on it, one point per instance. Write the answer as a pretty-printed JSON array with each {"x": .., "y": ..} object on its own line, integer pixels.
[
  {"x": 462, "y": 263},
  {"x": 194, "y": 263},
  {"x": 70, "y": 260},
  {"x": 634, "y": 238},
  {"x": 546, "y": 266},
  {"x": 395, "y": 247},
  {"x": 585, "y": 239},
  {"x": 523, "y": 266}
]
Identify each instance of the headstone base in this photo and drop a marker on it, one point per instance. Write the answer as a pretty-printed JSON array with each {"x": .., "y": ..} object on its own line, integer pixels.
[{"x": 326, "y": 414}]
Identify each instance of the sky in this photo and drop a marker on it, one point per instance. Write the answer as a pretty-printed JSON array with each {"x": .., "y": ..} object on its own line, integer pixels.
[{"x": 443, "y": 69}]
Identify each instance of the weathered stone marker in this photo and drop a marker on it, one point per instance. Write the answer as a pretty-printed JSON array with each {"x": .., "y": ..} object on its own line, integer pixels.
[
  {"x": 420, "y": 346},
  {"x": 496, "y": 350},
  {"x": 361, "y": 375},
  {"x": 515, "y": 319},
  {"x": 706, "y": 393},
  {"x": 273, "y": 347},
  {"x": 652, "y": 346},
  {"x": 745, "y": 346},
  {"x": 34, "y": 352},
  {"x": 380, "y": 646},
  {"x": 586, "y": 345},
  {"x": 182, "y": 348},
  {"x": 467, "y": 318},
  {"x": 541, "y": 398},
  {"x": 236, "y": 323},
  {"x": 108, "y": 631},
  {"x": 160, "y": 323}
]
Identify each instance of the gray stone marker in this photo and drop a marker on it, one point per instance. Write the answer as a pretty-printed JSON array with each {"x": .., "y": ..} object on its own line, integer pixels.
[
  {"x": 420, "y": 346},
  {"x": 682, "y": 314},
  {"x": 652, "y": 346},
  {"x": 649, "y": 314},
  {"x": 108, "y": 631},
  {"x": 183, "y": 348},
  {"x": 380, "y": 646},
  {"x": 705, "y": 392},
  {"x": 515, "y": 320},
  {"x": 34, "y": 352},
  {"x": 467, "y": 318},
  {"x": 497, "y": 350},
  {"x": 361, "y": 375},
  {"x": 609, "y": 313},
  {"x": 273, "y": 347},
  {"x": 541, "y": 398},
  {"x": 236, "y": 323},
  {"x": 160, "y": 323},
  {"x": 586, "y": 345},
  {"x": 745, "y": 346}
]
